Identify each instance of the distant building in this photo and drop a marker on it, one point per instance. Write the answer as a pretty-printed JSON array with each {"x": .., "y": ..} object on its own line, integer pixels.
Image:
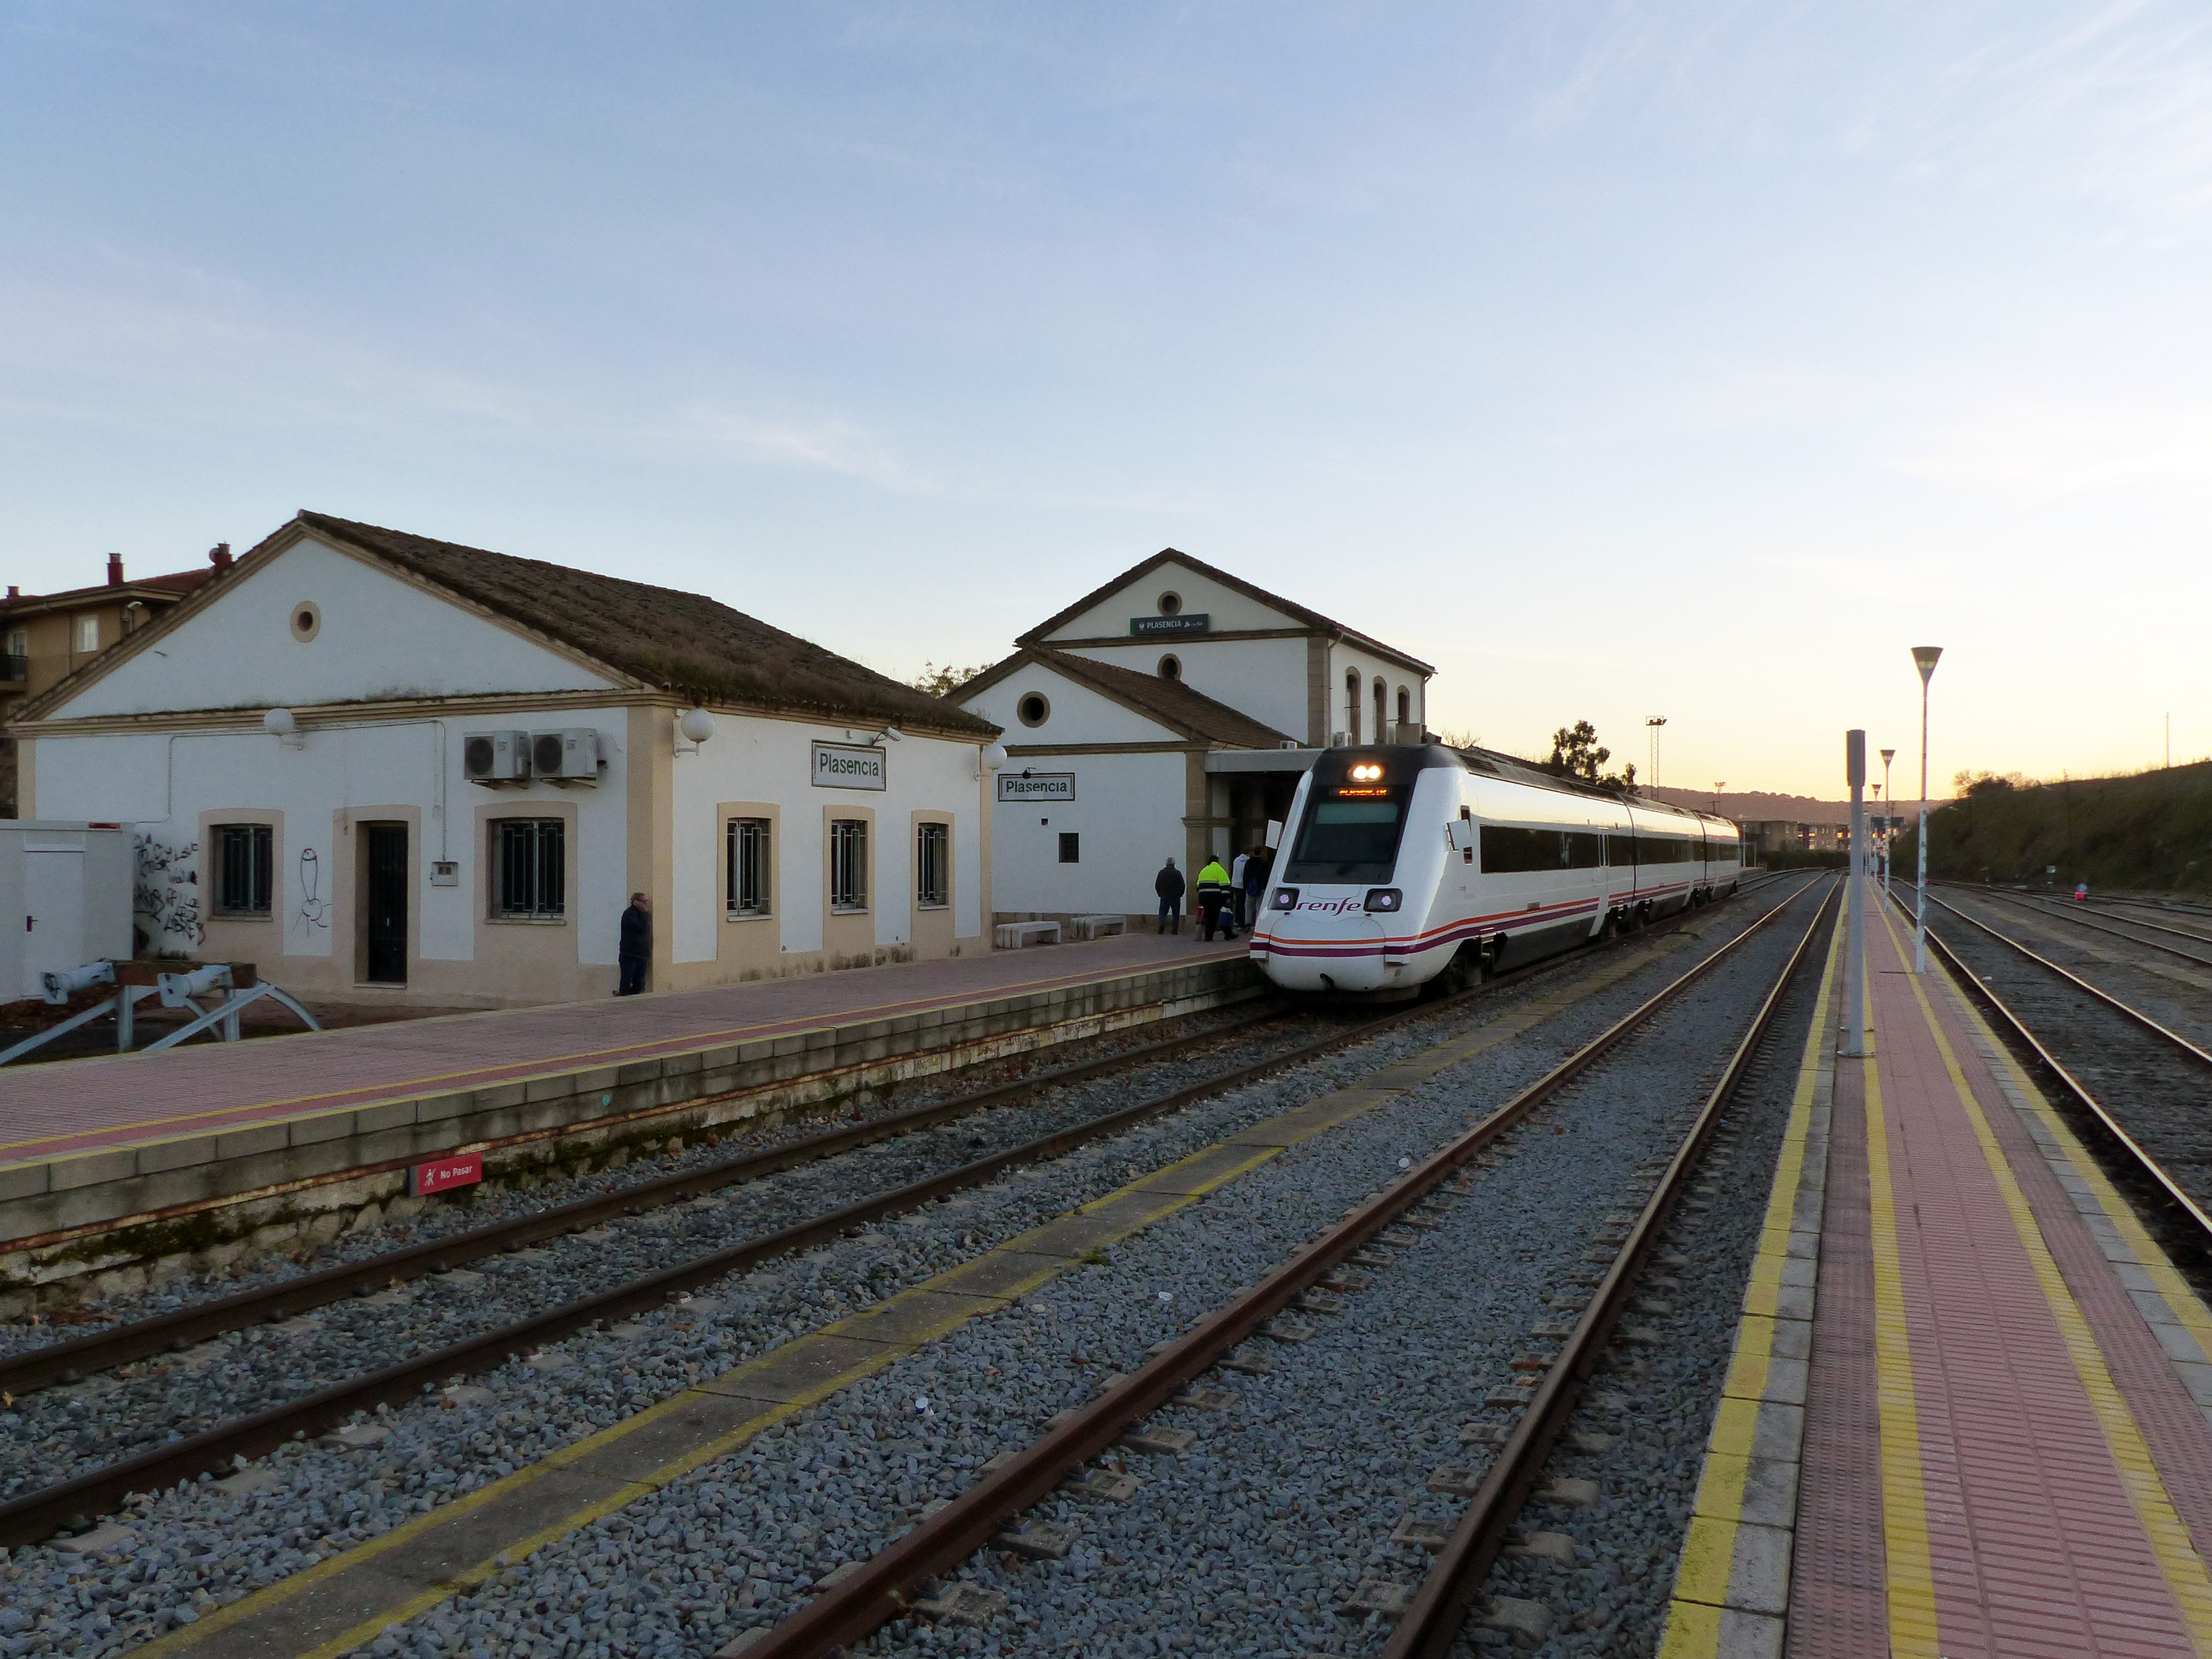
[
  {"x": 397, "y": 770},
  {"x": 46, "y": 637},
  {"x": 1170, "y": 712}
]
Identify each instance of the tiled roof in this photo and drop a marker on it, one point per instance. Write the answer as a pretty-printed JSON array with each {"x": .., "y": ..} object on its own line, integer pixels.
[
  {"x": 1170, "y": 702},
  {"x": 1312, "y": 618},
  {"x": 685, "y": 642}
]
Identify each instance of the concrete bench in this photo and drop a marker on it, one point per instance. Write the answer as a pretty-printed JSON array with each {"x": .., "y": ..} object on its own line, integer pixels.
[
  {"x": 1100, "y": 926},
  {"x": 1013, "y": 935}
]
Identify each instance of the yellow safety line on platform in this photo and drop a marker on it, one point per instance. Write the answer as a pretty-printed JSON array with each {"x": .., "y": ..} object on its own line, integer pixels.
[
  {"x": 2184, "y": 1569},
  {"x": 562, "y": 1065},
  {"x": 1404, "y": 1075},
  {"x": 1700, "y": 1597},
  {"x": 2188, "y": 1310}
]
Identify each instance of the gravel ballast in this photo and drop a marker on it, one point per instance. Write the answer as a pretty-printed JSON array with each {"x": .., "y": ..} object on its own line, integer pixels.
[{"x": 870, "y": 1454}]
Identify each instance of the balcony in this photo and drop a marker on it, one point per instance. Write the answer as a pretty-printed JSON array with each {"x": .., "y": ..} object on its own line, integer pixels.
[{"x": 15, "y": 671}]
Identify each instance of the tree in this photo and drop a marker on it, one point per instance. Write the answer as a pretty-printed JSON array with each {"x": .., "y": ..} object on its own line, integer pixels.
[
  {"x": 1576, "y": 753},
  {"x": 943, "y": 682}
]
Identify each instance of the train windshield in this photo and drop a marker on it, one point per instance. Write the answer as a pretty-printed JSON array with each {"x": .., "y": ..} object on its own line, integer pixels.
[{"x": 1349, "y": 835}]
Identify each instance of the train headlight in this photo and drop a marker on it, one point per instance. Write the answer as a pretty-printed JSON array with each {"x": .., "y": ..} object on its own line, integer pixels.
[
  {"x": 1384, "y": 898},
  {"x": 1286, "y": 898},
  {"x": 1367, "y": 772}
]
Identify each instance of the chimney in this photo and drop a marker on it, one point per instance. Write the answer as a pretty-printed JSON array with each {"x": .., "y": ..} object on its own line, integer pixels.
[
  {"x": 13, "y": 591},
  {"x": 219, "y": 555},
  {"x": 115, "y": 570}
]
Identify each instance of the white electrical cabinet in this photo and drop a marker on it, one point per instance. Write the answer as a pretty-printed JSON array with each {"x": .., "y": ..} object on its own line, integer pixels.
[{"x": 64, "y": 899}]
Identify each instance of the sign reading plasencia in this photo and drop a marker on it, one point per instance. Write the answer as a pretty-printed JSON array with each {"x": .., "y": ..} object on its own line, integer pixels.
[
  {"x": 843, "y": 766},
  {"x": 1183, "y": 621},
  {"x": 1036, "y": 785}
]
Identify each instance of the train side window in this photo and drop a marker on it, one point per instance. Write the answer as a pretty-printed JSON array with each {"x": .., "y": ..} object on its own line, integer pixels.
[{"x": 1585, "y": 849}]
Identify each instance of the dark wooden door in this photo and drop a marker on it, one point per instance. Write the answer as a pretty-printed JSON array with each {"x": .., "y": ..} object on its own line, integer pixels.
[{"x": 386, "y": 907}]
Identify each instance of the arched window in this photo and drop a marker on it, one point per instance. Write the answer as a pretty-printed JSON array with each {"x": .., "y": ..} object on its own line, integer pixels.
[
  {"x": 1352, "y": 705},
  {"x": 1405, "y": 706},
  {"x": 1382, "y": 712},
  {"x": 1170, "y": 668}
]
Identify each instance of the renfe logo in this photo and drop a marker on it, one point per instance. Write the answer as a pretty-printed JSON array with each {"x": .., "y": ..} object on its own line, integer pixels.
[
  {"x": 442, "y": 1174},
  {"x": 1331, "y": 907}
]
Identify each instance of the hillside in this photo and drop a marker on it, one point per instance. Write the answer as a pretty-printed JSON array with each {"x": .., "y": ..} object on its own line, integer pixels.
[
  {"x": 1756, "y": 806},
  {"x": 2149, "y": 830}
]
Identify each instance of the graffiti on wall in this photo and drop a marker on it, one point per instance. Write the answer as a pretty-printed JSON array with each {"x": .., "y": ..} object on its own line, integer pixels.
[{"x": 165, "y": 901}]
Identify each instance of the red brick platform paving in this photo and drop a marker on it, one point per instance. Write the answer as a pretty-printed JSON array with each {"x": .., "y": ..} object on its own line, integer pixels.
[
  {"x": 2033, "y": 1543},
  {"x": 1838, "y": 1608},
  {"x": 69, "y": 1106}
]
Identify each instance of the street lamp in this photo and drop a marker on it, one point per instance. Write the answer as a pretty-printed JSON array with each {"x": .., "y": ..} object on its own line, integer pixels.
[
  {"x": 1655, "y": 723},
  {"x": 1924, "y": 657},
  {"x": 1888, "y": 820}
]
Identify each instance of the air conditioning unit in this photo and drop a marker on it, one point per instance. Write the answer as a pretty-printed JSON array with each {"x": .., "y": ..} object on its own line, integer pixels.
[
  {"x": 493, "y": 758},
  {"x": 566, "y": 757}
]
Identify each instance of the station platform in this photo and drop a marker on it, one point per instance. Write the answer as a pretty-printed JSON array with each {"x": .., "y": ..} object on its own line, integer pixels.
[
  {"x": 1969, "y": 1411},
  {"x": 309, "y": 1128}
]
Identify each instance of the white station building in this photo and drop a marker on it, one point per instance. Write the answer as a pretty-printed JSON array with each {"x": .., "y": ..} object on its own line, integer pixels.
[
  {"x": 386, "y": 768},
  {"x": 1169, "y": 714}
]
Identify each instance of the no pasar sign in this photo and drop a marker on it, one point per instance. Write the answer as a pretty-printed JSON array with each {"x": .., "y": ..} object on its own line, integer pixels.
[{"x": 441, "y": 1175}]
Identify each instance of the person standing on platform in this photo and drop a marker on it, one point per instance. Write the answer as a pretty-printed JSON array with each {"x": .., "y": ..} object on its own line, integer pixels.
[
  {"x": 1256, "y": 883},
  {"x": 635, "y": 950},
  {"x": 1213, "y": 898},
  {"x": 1169, "y": 886},
  {"x": 1236, "y": 867}
]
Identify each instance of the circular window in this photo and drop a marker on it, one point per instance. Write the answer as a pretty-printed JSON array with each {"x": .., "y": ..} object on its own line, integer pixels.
[
  {"x": 1170, "y": 604},
  {"x": 1170, "y": 668},
  {"x": 307, "y": 620},
  {"x": 1033, "y": 709}
]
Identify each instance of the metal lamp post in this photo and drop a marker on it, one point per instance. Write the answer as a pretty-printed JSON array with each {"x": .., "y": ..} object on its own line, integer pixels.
[
  {"x": 1855, "y": 1008},
  {"x": 1924, "y": 657},
  {"x": 1655, "y": 723},
  {"x": 1888, "y": 820}
]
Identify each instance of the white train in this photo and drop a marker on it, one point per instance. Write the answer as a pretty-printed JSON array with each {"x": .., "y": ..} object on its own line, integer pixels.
[{"x": 1402, "y": 864}]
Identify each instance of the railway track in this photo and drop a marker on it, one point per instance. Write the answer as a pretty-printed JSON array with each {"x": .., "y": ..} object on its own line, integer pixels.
[
  {"x": 903, "y": 1579},
  {"x": 2141, "y": 1083},
  {"x": 2060, "y": 911},
  {"x": 71, "y": 1503}
]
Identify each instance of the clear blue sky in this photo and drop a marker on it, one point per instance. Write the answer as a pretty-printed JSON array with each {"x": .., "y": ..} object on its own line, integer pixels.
[{"x": 1622, "y": 360}]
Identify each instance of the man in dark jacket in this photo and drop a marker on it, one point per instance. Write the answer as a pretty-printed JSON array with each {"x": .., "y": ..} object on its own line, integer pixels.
[
  {"x": 636, "y": 948},
  {"x": 1168, "y": 885}
]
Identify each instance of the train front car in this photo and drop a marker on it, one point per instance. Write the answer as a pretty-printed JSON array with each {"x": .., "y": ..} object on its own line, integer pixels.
[{"x": 1348, "y": 906}]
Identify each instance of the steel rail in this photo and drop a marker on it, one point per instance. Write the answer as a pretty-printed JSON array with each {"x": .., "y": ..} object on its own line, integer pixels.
[
  {"x": 2077, "y": 981},
  {"x": 2151, "y": 1168},
  {"x": 81, "y": 1357},
  {"x": 2030, "y": 902},
  {"x": 37, "y": 1515},
  {"x": 1430, "y": 1624},
  {"x": 67, "y": 1362},
  {"x": 877, "y": 1590}
]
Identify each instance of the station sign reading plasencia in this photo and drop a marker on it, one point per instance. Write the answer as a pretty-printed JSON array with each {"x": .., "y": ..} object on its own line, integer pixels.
[
  {"x": 849, "y": 766},
  {"x": 1036, "y": 785}
]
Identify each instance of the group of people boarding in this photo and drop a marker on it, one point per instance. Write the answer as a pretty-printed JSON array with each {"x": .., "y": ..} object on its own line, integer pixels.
[{"x": 1227, "y": 898}]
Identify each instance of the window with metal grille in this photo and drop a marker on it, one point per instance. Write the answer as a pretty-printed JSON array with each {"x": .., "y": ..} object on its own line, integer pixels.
[
  {"x": 530, "y": 872},
  {"x": 244, "y": 855},
  {"x": 1071, "y": 846},
  {"x": 848, "y": 864},
  {"x": 748, "y": 873},
  {"x": 932, "y": 865}
]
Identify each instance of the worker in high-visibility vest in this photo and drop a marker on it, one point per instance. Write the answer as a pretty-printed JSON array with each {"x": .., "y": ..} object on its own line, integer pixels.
[{"x": 1213, "y": 898}]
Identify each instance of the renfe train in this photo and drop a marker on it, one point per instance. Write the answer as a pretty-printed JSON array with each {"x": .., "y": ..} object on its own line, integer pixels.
[{"x": 1404, "y": 865}]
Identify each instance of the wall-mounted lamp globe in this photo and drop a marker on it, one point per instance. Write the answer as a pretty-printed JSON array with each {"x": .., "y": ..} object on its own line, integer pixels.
[
  {"x": 990, "y": 757},
  {"x": 279, "y": 724},
  {"x": 695, "y": 726}
]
